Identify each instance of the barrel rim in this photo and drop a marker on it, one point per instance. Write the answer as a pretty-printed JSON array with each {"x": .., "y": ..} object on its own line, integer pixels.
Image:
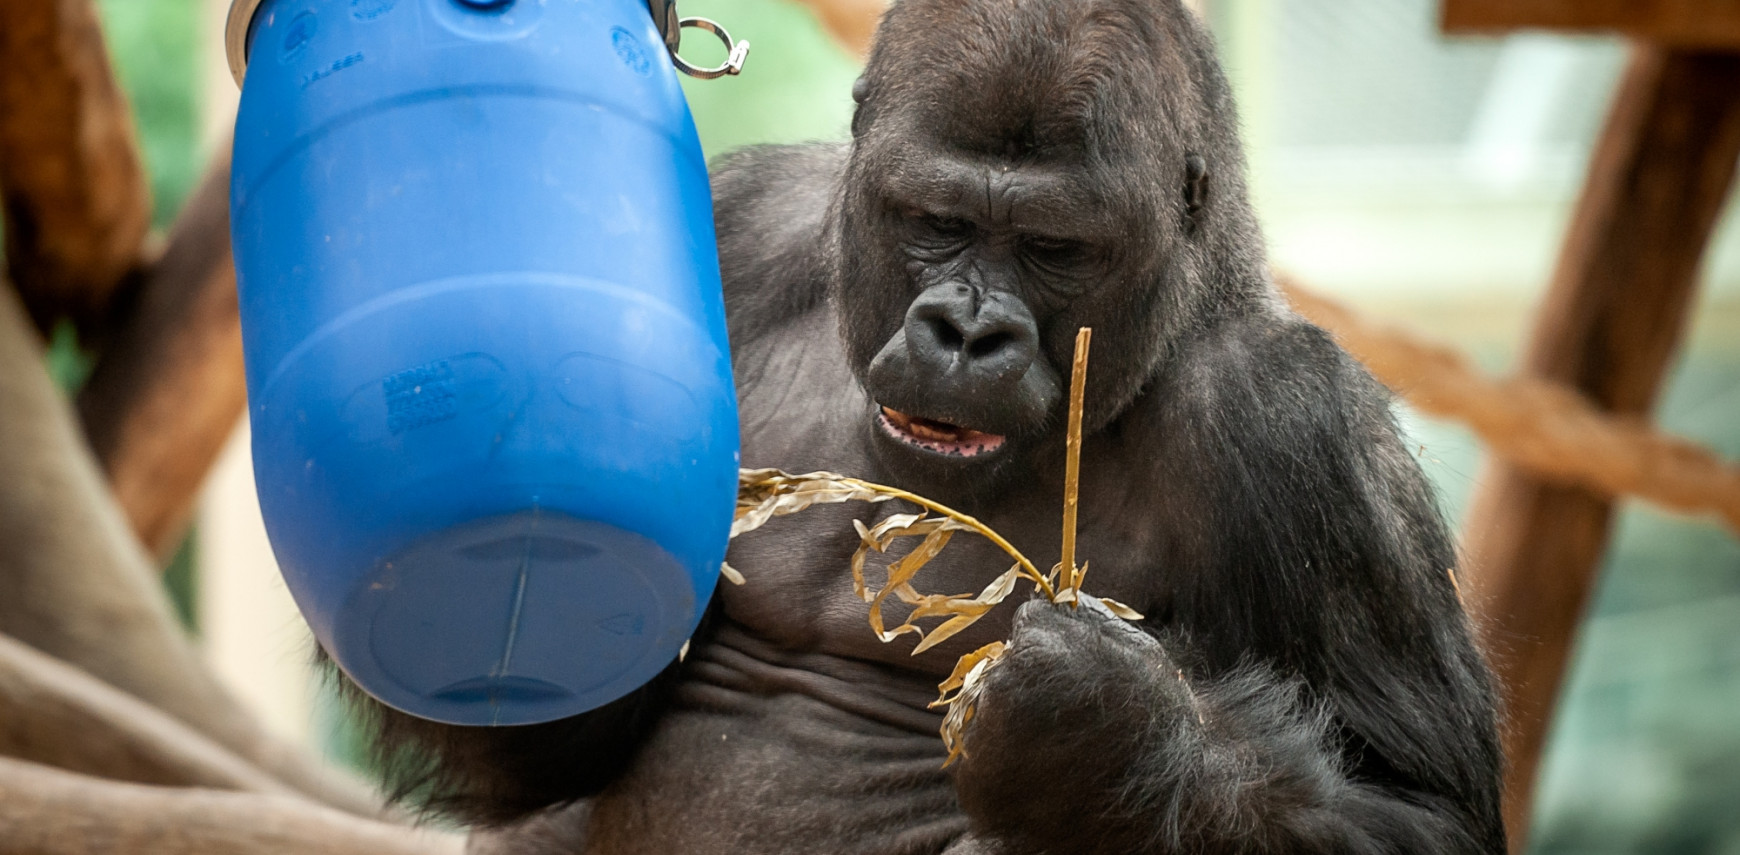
[{"x": 236, "y": 25}]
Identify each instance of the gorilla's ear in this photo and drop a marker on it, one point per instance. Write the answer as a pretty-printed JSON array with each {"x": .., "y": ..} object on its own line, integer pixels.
[
  {"x": 1195, "y": 188},
  {"x": 860, "y": 92}
]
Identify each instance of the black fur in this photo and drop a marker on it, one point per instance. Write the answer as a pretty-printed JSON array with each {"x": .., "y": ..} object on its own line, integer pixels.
[{"x": 1305, "y": 680}]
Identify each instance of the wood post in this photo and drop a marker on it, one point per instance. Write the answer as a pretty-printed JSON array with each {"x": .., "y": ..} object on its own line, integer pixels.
[
  {"x": 1702, "y": 24},
  {"x": 1609, "y": 327},
  {"x": 76, "y": 203}
]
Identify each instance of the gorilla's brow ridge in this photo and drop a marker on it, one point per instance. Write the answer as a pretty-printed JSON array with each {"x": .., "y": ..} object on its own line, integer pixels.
[{"x": 1039, "y": 197}]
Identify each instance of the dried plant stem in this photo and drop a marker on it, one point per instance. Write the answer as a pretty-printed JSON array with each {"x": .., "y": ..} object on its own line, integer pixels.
[
  {"x": 1027, "y": 567},
  {"x": 1071, "y": 576},
  {"x": 764, "y": 494}
]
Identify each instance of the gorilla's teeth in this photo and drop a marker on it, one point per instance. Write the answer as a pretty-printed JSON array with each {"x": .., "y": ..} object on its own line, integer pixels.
[{"x": 941, "y": 437}]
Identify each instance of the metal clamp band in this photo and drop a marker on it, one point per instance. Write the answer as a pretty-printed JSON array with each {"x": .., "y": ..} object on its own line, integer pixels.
[{"x": 737, "y": 51}]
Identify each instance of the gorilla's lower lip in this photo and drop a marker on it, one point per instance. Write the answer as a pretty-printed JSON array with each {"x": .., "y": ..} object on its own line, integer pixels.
[{"x": 940, "y": 437}]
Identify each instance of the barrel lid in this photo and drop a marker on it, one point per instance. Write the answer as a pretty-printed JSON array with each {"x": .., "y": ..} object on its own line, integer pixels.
[{"x": 664, "y": 14}]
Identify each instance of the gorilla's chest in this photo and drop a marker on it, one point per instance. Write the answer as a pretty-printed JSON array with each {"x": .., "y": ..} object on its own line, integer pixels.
[{"x": 768, "y": 751}]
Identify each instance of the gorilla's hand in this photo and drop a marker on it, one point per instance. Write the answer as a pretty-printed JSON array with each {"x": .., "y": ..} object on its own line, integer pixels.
[
  {"x": 1064, "y": 726},
  {"x": 1091, "y": 737}
]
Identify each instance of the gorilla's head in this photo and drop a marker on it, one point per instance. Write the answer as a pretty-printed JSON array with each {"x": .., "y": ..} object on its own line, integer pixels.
[{"x": 1021, "y": 170}]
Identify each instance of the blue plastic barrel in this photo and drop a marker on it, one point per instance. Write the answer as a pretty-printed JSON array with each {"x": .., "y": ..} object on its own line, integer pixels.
[{"x": 495, "y": 435}]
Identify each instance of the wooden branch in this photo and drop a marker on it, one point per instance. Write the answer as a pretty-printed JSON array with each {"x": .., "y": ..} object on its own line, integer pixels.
[
  {"x": 1538, "y": 425},
  {"x": 55, "y": 714},
  {"x": 851, "y": 22},
  {"x": 1680, "y": 23},
  {"x": 45, "y": 811},
  {"x": 76, "y": 584},
  {"x": 170, "y": 388},
  {"x": 76, "y": 203},
  {"x": 1608, "y": 328}
]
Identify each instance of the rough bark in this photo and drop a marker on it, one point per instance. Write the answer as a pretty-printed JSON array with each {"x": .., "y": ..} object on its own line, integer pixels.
[
  {"x": 76, "y": 584},
  {"x": 45, "y": 811},
  {"x": 170, "y": 388},
  {"x": 1609, "y": 328},
  {"x": 76, "y": 203}
]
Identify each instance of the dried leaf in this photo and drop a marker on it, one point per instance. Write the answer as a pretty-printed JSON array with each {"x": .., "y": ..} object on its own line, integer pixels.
[
  {"x": 865, "y": 543},
  {"x": 767, "y": 493},
  {"x": 949, "y": 629},
  {"x": 899, "y": 574},
  {"x": 1120, "y": 609},
  {"x": 958, "y": 677},
  {"x": 965, "y": 702},
  {"x": 731, "y": 575},
  {"x": 922, "y": 554}
]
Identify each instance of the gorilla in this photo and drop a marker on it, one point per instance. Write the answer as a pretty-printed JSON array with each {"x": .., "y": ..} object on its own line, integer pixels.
[{"x": 903, "y": 308}]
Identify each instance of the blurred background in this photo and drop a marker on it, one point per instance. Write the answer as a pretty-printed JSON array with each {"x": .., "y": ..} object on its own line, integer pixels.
[{"x": 1421, "y": 178}]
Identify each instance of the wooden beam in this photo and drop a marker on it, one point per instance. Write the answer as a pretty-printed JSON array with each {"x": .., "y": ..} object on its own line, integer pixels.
[
  {"x": 169, "y": 389},
  {"x": 1609, "y": 327},
  {"x": 45, "y": 811},
  {"x": 1680, "y": 23},
  {"x": 74, "y": 194}
]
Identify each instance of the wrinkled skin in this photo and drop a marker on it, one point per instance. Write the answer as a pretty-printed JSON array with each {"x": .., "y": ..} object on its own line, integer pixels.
[{"x": 903, "y": 309}]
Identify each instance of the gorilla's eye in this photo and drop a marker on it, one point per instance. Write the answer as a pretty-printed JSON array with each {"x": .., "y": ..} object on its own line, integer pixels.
[
  {"x": 1054, "y": 252},
  {"x": 937, "y": 227}
]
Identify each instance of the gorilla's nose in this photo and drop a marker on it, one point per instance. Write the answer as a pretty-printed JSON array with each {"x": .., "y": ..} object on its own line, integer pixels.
[{"x": 982, "y": 337}]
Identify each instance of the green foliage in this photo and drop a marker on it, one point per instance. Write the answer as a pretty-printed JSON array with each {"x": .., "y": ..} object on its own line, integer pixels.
[
  {"x": 181, "y": 579},
  {"x": 796, "y": 85},
  {"x": 68, "y": 363},
  {"x": 154, "y": 47}
]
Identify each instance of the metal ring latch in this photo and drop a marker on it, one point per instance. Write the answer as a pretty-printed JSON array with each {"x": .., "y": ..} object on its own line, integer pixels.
[{"x": 738, "y": 51}]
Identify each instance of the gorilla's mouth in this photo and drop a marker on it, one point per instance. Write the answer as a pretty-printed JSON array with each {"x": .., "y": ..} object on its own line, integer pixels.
[{"x": 938, "y": 436}]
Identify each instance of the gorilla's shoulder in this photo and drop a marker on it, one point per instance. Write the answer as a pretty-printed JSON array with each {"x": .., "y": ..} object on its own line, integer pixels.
[
  {"x": 760, "y": 172},
  {"x": 1280, "y": 377},
  {"x": 770, "y": 206}
]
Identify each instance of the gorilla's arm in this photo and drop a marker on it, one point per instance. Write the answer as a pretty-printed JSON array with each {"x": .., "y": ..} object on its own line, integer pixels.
[
  {"x": 771, "y": 207},
  {"x": 1309, "y": 685}
]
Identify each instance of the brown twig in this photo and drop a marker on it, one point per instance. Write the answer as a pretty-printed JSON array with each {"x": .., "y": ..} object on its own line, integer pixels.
[{"x": 1072, "y": 465}]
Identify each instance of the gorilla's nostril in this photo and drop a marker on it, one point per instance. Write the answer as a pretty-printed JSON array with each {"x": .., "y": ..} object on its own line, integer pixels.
[
  {"x": 986, "y": 345},
  {"x": 948, "y": 336}
]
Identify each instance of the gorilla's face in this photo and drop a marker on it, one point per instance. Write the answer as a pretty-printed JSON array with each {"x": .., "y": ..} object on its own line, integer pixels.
[
  {"x": 980, "y": 225},
  {"x": 963, "y": 380}
]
